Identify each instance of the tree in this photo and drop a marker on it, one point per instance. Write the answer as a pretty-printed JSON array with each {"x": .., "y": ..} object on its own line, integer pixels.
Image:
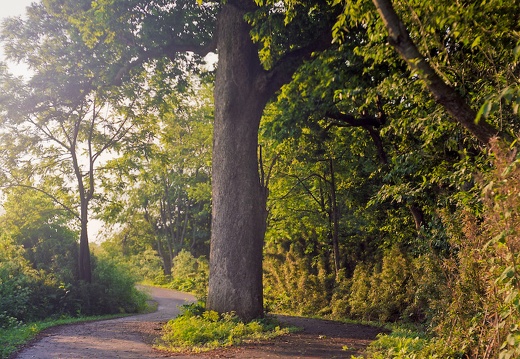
[
  {"x": 166, "y": 176},
  {"x": 144, "y": 30},
  {"x": 444, "y": 94},
  {"x": 58, "y": 124}
]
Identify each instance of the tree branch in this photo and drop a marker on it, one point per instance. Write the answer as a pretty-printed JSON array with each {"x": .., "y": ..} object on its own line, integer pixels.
[
  {"x": 348, "y": 120},
  {"x": 51, "y": 196},
  {"x": 282, "y": 72},
  {"x": 169, "y": 50},
  {"x": 444, "y": 94}
]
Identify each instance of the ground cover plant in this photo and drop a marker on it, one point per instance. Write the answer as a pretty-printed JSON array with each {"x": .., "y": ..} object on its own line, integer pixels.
[
  {"x": 404, "y": 343},
  {"x": 198, "y": 330}
]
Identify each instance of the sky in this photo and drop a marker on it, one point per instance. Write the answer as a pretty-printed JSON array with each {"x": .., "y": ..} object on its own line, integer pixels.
[{"x": 13, "y": 8}]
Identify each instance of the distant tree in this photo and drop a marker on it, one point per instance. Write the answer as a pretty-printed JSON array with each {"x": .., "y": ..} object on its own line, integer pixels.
[
  {"x": 57, "y": 124},
  {"x": 166, "y": 178}
]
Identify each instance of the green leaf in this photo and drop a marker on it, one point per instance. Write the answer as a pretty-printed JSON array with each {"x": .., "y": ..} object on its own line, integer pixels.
[{"x": 476, "y": 42}]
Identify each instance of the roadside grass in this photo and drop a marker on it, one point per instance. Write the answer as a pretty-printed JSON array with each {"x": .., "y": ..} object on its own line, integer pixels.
[
  {"x": 409, "y": 342},
  {"x": 14, "y": 338},
  {"x": 198, "y": 330}
]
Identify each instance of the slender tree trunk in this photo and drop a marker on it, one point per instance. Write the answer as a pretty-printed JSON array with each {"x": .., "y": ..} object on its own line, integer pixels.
[
  {"x": 335, "y": 218},
  {"x": 85, "y": 270},
  {"x": 239, "y": 199},
  {"x": 418, "y": 216}
]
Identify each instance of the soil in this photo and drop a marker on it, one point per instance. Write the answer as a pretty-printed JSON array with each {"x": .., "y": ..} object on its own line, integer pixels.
[{"x": 132, "y": 337}]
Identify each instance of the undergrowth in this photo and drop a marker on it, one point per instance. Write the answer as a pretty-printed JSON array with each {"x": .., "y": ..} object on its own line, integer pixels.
[
  {"x": 198, "y": 330},
  {"x": 405, "y": 343}
]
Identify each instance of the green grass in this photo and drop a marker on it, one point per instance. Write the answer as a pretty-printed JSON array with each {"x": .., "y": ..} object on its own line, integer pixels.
[
  {"x": 408, "y": 343},
  {"x": 198, "y": 330}
]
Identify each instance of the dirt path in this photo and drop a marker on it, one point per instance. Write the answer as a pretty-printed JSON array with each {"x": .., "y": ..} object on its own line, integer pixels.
[
  {"x": 131, "y": 337},
  {"x": 128, "y": 337}
]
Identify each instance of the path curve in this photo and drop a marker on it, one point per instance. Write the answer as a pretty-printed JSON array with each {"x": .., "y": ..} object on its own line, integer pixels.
[
  {"x": 128, "y": 337},
  {"x": 132, "y": 338}
]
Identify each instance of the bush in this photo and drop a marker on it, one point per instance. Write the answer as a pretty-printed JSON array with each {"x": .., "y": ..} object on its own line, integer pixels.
[
  {"x": 16, "y": 278},
  {"x": 145, "y": 265},
  {"x": 339, "y": 305},
  {"x": 190, "y": 274},
  {"x": 296, "y": 283},
  {"x": 28, "y": 295},
  {"x": 196, "y": 329},
  {"x": 112, "y": 290},
  {"x": 383, "y": 294},
  {"x": 482, "y": 308},
  {"x": 408, "y": 344}
]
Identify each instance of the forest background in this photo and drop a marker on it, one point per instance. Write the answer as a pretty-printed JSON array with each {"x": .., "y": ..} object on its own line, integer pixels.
[{"x": 382, "y": 203}]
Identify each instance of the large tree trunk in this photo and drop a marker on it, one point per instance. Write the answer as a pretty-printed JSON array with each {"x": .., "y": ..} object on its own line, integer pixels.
[{"x": 239, "y": 211}]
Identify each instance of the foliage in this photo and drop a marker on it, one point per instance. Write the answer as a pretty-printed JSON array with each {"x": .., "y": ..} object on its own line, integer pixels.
[
  {"x": 57, "y": 123},
  {"x": 190, "y": 274},
  {"x": 482, "y": 308},
  {"x": 404, "y": 343},
  {"x": 382, "y": 295},
  {"x": 112, "y": 290},
  {"x": 454, "y": 39},
  {"x": 293, "y": 284},
  {"x": 197, "y": 330},
  {"x": 374, "y": 210},
  {"x": 38, "y": 262},
  {"x": 165, "y": 172},
  {"x": 402, "y": 288},
  {"x": 38, "y": 225},
  {"x": 28, "y": 294},
  {"x": 16, "y": 277}
]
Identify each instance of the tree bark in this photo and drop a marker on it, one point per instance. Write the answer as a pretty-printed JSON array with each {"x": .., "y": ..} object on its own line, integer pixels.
[
  {"x": 444, "y": 94},
  {"x": 85, "y": 270},
  {"x": 239, "y": 199},
  {"x": 335, "y": 218}
]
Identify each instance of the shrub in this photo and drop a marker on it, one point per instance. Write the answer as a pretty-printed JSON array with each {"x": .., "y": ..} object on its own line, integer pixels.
[
  {"x": 483, "y": 306},
  {"x": 358, "y": 299},
  {"x": 16, "y": 277},
  {"x": 339, "y": 305},
  {"x": 196, "y": 329},
  {"x": 190, "y": 274},
  {"x": 386, "y": 293},
  {"x": 112, "y": 290},
  {"x": 146, "y": 265},
  {"x": 296, "y": 283},
  {"x": 408, "y": 344}
]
